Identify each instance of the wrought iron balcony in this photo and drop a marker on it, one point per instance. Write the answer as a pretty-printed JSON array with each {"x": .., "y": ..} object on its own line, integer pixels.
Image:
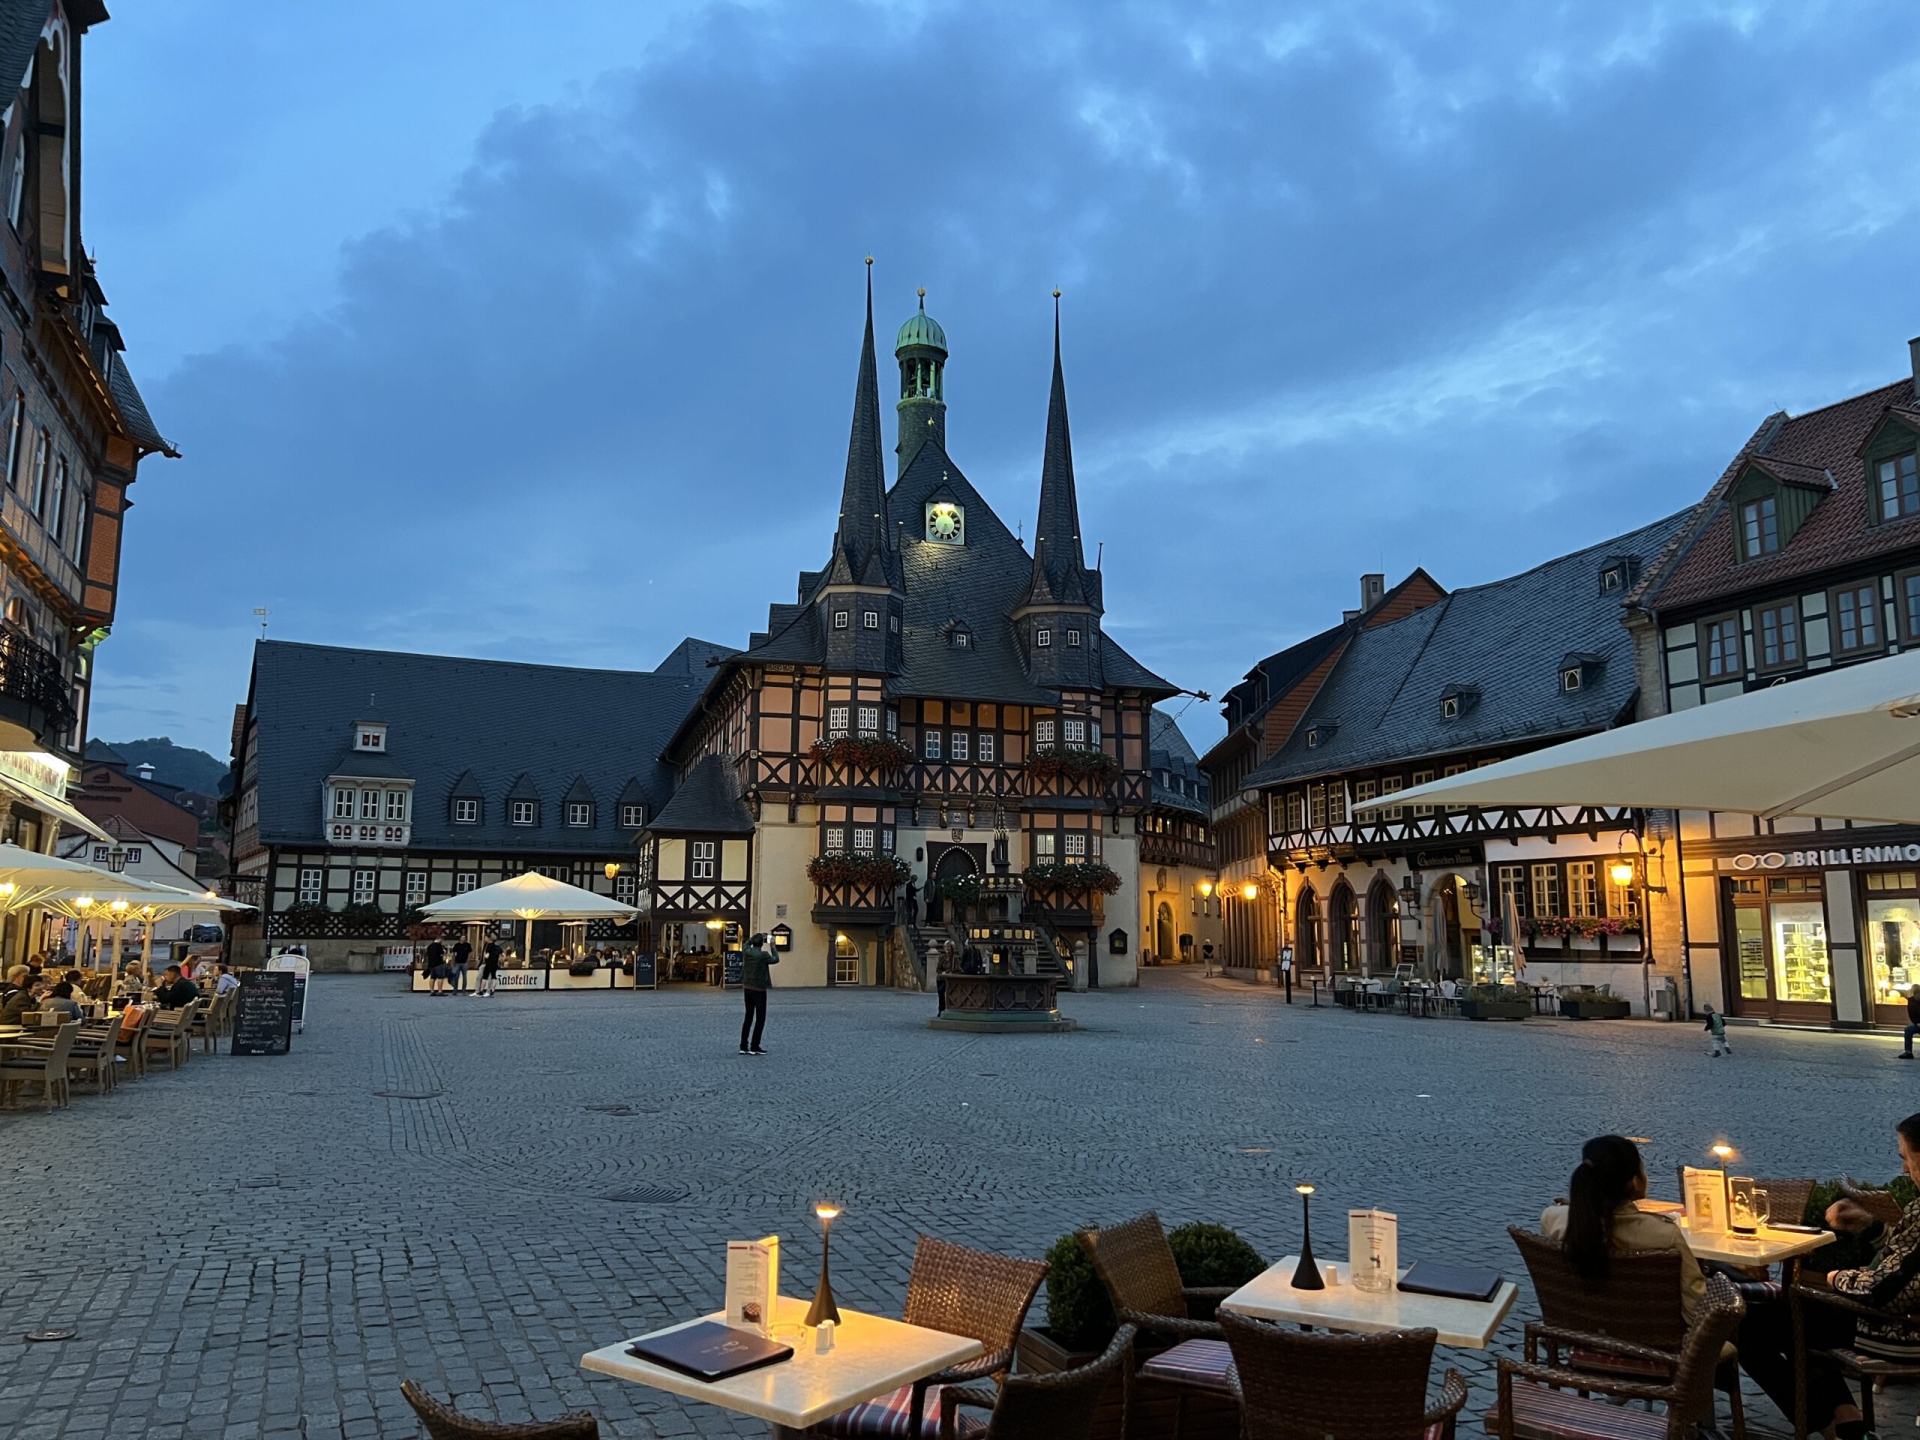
[{"x": 36, "y": 693}]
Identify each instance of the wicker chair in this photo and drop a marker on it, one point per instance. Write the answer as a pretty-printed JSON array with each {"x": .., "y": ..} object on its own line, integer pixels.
[
  {"x": 1295, "y": 1385},
  {"x": 170, "y": 1033},
  {"x": 1640, "y": 1303},
  {"x": 1136, "y": 1265},
  {"x": 1536, "y": 1402},
  {"x": 1060, "y": 1406},
  {"x": 1787, "y": 1201},
  {"x": 92, "y": 1056},
  {"x": 131, "y": 1046},
  {"x": 1869, "y": 1371},
  {"x": 443, "y": 1422},
  {"x": 45, "y": 1063},
  {"x": 961, "y": 1292}
]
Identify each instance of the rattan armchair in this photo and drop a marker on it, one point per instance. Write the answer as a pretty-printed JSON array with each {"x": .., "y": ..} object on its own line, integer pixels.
[
  {"x": 45, "y": 1062},
  {"x": 1539, "y": 1402},
  {"x": 131, "y": 1045},
  {"x": 170, "y": 1033},
  {"x": 1870, "y": 1371},
  {"x": 1142, "y": 1279},
  {"x": 443, "y": 1422},
  {"x": 1297, "y": 1385},
  {"x": 961, "y": 1292},
  {"x": 1061, "y": 1406},
  {"x": 1639, "y": 1303}
]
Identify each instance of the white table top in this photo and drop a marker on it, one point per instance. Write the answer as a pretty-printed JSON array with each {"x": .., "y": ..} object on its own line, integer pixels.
[
  {"x": 1344, "y": 1306},
  {"x": 1766, "y": 1247},
  {"x": 871, "y": 1356}
]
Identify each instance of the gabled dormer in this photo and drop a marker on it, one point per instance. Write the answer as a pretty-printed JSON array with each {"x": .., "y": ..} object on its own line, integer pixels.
[
  {"x": 370, "y": 737},
  {"x": 577, "y": 807},
  {"x": 523, "y": 802},
  {"x": 1458, "y": 701},
  {"x": 1578, "y": 670},
  {"x": 1320, "y": 732},
  {"x": 1891, "y": 456},
  {"x": 1770, "y": 501},
  {"x": 1617, "y": 574}
]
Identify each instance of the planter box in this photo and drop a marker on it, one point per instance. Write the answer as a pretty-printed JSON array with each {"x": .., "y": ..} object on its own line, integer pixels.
[
  {"x": 1604, "y": 1008},
  {"x": 1155, "y": 1410},
  {"x": 1496, "y": 1009}
]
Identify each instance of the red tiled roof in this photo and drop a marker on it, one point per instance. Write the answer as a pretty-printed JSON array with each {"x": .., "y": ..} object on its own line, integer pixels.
[{"x": 1837, "y": 531}]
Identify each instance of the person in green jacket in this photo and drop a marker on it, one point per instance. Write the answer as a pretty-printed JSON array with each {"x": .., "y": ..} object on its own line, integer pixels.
[{"x": 754, "y": 981}]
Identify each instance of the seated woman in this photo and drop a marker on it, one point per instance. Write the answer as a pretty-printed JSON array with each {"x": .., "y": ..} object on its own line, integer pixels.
[
  {"x": 1891, "y": 1285},
  {"x": 1600, "y": 1218}
]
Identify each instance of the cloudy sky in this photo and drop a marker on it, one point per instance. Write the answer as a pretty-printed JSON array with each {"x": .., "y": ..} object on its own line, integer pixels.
[{"x": 529, "y": 331}]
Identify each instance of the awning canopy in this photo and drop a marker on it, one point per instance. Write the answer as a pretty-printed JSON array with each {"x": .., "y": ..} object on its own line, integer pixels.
[
  {"x": 59, "y": 809},
  {"x": 528, "y": 897},
  {"x": 1844, "y": 745}
]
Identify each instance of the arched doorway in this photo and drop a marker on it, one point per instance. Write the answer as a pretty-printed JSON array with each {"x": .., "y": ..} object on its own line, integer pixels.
[
  {"x": 1306, "y": 931},
  {"x": 1446, "y": 938},
  {"x": 1343, "y": 929},
  {"x": 1163, "y": 932},
  {"x": 1383, "y": 944},
  {"x": 956, "y": 863}
]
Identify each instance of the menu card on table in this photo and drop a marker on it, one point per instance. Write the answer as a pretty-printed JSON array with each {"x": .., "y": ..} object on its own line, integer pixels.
[
  {"x": 1705, "y": 1195},
  {"x": 753, "y": 1280},
  {"x": 1373, "y": 1248}
]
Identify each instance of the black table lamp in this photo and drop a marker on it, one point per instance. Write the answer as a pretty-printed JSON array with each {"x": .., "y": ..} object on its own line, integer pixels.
[
  {"x": 823, "y": 1307},
  {"x": 1306, "y": 1275}
]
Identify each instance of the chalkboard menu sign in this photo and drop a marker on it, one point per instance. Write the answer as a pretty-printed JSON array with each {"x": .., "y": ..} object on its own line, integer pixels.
[
  {"x": 736, "y": 966},
  {"x": 263, "y": 1012},
  {"x": 644, "y": 977}
]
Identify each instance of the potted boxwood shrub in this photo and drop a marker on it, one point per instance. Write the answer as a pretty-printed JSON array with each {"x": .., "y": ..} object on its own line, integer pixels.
[
  {"x": 1584, "y": 1003},
  {"x": 1494, "y": 1002}
]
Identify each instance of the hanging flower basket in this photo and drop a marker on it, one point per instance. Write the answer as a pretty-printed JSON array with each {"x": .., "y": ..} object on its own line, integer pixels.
[
  {"x": 1075, "y": 879},
  {"x": 1584, "y": 927},
  {"x": 868, "y": 752},
  {"x": 1056, "y": 762},
  {"x": 839, "y": 868}
]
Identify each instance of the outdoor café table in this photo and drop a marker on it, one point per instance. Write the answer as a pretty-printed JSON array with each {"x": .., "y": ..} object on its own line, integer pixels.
[
  {"x": 1765, "y": 1247},
  {"x": 871, "y": 1356},
  {"x": 1346, "y": 1307}
]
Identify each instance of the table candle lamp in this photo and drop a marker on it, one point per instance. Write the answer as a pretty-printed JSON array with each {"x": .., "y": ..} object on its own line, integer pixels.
[
  {"x": 1306, "y": 1275},
  {"x": 1724, "y": 1152},
  {"x": 823, "y": 1307}
]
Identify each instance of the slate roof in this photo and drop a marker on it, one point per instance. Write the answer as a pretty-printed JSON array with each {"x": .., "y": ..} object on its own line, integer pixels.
[
  {"x": 504, "y": 722},
  {"x": 707, "y": 802},
  {"x": 1838, "y": 531},
  {"x": 1505, "y": 641},
  {"x": 1171, "y": 756},
  {"x": 21, "y": 22}
]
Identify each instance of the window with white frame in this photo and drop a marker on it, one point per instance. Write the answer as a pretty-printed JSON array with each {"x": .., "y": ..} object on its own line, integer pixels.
[
  {"x": 1422, "y": 777},
  {"x": 466, "y": 812},
  {"x": 1546, "y": 890},
  {"x": 1512, "y": 882},
  {"x": 1075, "y": 847},
  {"x": 1316, "y": 806},
  {"x": 1583, "y": 888},
  {"x": 959, "y": 747},
  {"x": 579, "y": 814},
  {"x": 623, "y": 887},
  {"x": 893, "y": 723},
  {"x": 703, "y": 861},
  {"x": 396, "y": 804},
  {"x": 931, "y": 745},
  {"x": 369, "y": 804},
  {"x": 632, "y": 817},
  {"x": 1043, "y": 846},
  {"x": 57, "y": 500},
  {"x": 983, "y": 751},
  {"x": 1043, "y": 638},
  {"x": 1296, "y": 808},
  {"x": 1073, "y": 639},
  {"x": 365, "y": 883},
  {"x": 465, "y": 881},
  {"x": 836, "y": 722},
  {"x": 840, "y": 619},
  {"x": 1388, "y": 785},
  {"x": 1076, "y": 731},
  {"x": 312, "y": 885},
  {"x": 863, "y": 839},
  {"x": 343, "y": 804},
  {"x": 1043, "y": 732},
  {"x": 836, "y": 839},
  {"x": 416, "y": 887},
  {"x": 870, "y": 620},
  {"x": 869, "y": 721},
  {"x": 886, "y": 839},
  {"x": 523, "y": 812}
]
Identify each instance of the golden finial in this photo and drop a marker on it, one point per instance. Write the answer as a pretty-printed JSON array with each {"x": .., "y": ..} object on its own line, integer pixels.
[
  {"x": 1056, "y": 293},
  {"x": 869, "y": 259},
  {"x": 923, "y": 294}
]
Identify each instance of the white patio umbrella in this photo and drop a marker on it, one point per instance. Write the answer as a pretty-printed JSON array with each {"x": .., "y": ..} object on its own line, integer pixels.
[
  {"x": 1844, "y": 745},
  {"x": 123, "y": 897},
  {"x": 528, "y": 897}
]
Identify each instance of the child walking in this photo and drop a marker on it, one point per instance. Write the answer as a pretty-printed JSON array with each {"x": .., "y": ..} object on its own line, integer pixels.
[{"x": 1716, "y": 1028}]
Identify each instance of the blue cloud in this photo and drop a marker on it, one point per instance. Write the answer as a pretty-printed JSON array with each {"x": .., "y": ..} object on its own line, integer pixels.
[{"x": 1361, "y": 288}]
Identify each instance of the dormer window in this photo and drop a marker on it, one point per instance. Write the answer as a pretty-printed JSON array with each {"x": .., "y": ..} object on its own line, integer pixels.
[
  {"x": 1449, "y": 710},
  {"x": 1898, "y": 482},
  {"x": 370, "y": 737},
  {"x": 466, "y": 812},
  {"x": 1570, "y": 678},
  {"x": 1457, "y": 700},
  {"x": 1576, "y": 669},
  {"x": 1759, "y": 527},
  {"x": 959, "y": 636}
]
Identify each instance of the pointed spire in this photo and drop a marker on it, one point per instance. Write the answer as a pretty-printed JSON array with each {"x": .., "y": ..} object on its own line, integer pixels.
[
  {"x": 1059, "y": 562},
  {"x": 862, "y": 548}
]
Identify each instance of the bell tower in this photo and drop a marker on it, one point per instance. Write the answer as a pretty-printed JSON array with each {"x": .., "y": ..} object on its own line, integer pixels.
[{"x": 921, "y": 349}]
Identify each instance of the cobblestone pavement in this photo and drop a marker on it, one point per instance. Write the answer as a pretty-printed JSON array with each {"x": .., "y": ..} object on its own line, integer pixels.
[{"x": 269, "y": 1246}]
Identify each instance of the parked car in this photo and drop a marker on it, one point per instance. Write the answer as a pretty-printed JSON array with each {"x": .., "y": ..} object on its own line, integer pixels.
[{"x": 205, "y": 935}]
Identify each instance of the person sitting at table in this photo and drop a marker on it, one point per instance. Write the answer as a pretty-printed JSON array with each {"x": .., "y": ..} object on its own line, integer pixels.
[
  {"x": 225, "y": 981},
  {"x": 24, "y": 1000},
  {"x": 175, "y": 990},
  {"x": 59, "y": 1006},
  {"x": 1890, "y": 1285},
  {"x": 1599, "y": 1217},
  {"x": 17, "y": 978}
]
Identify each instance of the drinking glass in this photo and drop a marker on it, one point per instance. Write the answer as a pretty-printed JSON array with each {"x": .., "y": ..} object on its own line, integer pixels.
[{"x": 1762, "y": 1210}]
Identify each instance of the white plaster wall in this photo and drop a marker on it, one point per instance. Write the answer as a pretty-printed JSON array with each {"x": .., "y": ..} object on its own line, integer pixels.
[
  {"x": 780, "y": 854},
  {"x": 1122, "y": 910}
]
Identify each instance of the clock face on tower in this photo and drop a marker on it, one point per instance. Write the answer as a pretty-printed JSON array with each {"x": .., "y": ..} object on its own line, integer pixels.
[{"x": 946, "y": 523}]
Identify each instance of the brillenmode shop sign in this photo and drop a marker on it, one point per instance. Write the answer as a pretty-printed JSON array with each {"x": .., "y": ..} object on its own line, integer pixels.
[{"x": 1840, "y": 857}]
